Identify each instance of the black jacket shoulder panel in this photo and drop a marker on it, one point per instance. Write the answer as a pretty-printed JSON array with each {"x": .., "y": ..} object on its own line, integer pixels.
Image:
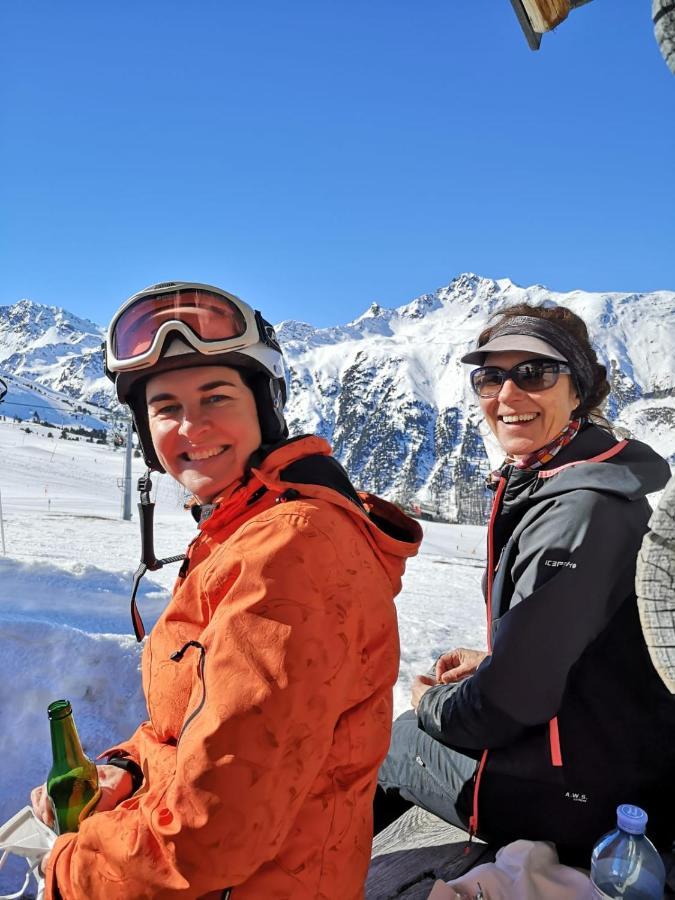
[
  {"x": 631, "y": 472},
  {"x": 323, "y": 470}
]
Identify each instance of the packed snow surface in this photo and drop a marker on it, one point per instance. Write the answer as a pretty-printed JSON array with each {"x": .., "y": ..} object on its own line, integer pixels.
[{"x": 65, "y": 577}]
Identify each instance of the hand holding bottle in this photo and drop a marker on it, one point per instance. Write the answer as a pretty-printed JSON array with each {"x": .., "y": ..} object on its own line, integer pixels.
[{"x": 115, "y": 785}]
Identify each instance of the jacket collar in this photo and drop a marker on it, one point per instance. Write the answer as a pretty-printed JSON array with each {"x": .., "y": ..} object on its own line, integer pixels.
[
  {"x": 264, "y": 468},
  {"x": 595, "y": 460}
]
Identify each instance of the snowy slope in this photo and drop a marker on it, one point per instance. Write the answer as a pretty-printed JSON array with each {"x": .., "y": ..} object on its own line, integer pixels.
[
  {"x": 388, "y": 389},
  {"x": 31, "y": 401},
  {"x": 64, "y": 599}
]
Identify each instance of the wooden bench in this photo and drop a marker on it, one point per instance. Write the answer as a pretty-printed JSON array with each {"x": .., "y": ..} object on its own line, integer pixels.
[{"x": 415, "y": 851}]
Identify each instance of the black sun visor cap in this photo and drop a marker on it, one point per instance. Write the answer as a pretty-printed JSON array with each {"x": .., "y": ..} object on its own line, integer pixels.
[{"x": 524, "y": 343}]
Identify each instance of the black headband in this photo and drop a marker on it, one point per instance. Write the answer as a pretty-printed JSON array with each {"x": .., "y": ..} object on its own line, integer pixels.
[{"x": 562, "y": 340}]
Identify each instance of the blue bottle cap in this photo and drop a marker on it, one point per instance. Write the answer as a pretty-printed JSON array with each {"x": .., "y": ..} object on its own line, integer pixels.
[{"x": 631, "y": 819}]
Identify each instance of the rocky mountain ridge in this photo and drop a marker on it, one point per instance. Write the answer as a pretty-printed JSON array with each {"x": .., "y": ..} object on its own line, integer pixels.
[{"x": 388, "y": 389}]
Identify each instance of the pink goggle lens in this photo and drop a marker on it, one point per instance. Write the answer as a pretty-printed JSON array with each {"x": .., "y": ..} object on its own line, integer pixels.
[{"x": 211, "y": 317}]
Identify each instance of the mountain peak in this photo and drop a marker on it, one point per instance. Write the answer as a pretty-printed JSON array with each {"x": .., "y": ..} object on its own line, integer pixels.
[
  {"x": 468, "y": 282},
  {"x": 27, "y": 313},
  {"x": 374, "y": 311},
  {"x": 27, "y": 307}
]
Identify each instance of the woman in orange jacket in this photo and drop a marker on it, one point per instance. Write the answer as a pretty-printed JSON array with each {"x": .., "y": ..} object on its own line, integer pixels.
[{"x": 269, "y": 676}]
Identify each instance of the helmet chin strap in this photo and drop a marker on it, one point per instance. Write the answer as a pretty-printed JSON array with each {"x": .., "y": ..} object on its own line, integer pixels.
[{"x": 149, "y": 562}]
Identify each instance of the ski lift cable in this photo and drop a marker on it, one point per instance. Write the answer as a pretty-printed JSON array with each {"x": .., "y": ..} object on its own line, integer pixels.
[
  {"x": 3, "y": 384},
  {"x": 56, "y": 409},
  {"x": 53, "y": 408}
]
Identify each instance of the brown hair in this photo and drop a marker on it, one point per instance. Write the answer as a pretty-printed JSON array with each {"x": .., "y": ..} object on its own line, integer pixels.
[{"x": 575, "y": 326}]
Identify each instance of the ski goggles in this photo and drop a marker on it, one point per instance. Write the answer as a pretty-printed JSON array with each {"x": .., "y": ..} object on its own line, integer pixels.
[
  {"x": 531, "y": 375},
  {"x": 211, "y": 321}
]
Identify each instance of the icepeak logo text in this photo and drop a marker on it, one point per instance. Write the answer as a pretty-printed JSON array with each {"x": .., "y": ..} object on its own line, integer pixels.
[{"x": 560, "y": 563}]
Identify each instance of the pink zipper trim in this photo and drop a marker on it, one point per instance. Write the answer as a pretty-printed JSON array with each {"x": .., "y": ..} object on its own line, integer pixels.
[
  {"x": 608, "y": 454},
  {"x": 554, "y": 737},
  {"x": 491, "y": 558},
  {"x": 473, "y": 820}
]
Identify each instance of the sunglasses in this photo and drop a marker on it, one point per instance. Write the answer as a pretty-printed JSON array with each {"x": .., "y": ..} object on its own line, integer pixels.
[{"x": 531, "y": 375}]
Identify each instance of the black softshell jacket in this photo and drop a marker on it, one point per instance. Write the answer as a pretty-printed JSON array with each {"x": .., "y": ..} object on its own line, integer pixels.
[{"x": 568, "y": 705}]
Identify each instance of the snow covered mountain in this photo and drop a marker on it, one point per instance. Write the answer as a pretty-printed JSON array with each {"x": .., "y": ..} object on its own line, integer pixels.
[
  {"x": 388, "y": 389},
  {"x": 51, "y": 361}
]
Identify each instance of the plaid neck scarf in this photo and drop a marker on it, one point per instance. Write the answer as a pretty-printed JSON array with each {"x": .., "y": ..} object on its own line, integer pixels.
[{"x": 545, "y": 454}]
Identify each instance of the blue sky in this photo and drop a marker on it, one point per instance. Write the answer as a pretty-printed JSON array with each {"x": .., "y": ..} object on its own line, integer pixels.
[{"x": 315, "y": 156}]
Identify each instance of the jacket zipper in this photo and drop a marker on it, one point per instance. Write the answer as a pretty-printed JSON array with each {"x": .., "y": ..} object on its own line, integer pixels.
[
  {"x": 501, "y": 487},
  {"x": 473, "y": 818},
  {"x": 177, "y": 657}
]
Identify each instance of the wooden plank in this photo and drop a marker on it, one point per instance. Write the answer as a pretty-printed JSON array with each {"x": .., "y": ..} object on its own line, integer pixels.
[
  {"x": 416, "y": 850},
  {"x": 533, "y": 39},
  {"x": 546, "y": 14},
  {"x": 655, "y": 586}
]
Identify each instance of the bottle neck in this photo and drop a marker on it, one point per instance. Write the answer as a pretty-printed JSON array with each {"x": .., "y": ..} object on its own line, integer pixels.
[
  {"x": 66, "y": 745},
  {"x": 640, "y": 836}
]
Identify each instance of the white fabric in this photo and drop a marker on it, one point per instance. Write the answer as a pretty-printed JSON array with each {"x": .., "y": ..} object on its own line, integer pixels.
[
  {"x": 25, "y": 835},
  {"x": 523, "y": 870}
]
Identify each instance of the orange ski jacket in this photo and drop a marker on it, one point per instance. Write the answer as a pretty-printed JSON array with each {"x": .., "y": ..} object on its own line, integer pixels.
[{"x": 268, "y": 680}]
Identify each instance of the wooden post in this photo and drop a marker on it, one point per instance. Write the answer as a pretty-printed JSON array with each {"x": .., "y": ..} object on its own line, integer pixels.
[{"x": 655, "y": 586}]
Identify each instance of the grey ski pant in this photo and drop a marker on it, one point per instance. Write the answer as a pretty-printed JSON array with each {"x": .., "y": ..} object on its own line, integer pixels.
[{"x": 428, "y": 774}]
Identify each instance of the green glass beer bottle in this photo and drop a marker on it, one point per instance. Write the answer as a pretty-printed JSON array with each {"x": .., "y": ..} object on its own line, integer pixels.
[{"x": 72, "y": 783}]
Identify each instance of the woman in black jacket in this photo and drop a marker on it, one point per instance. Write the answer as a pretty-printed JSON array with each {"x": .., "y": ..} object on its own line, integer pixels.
[{"x": 564, "y": 717}]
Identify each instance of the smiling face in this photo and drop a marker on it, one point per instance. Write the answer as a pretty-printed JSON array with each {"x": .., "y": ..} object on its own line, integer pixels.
[
  {"x": 204, "y": 427},
  {"x": 525, "y": 421}
]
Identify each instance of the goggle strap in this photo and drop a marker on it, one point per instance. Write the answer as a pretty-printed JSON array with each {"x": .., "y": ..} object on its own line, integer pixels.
[{"x": 266, "y": 331}]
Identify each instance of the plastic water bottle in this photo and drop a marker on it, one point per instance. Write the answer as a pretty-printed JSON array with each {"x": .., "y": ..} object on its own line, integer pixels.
[{"x": 625, "y": 863}]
